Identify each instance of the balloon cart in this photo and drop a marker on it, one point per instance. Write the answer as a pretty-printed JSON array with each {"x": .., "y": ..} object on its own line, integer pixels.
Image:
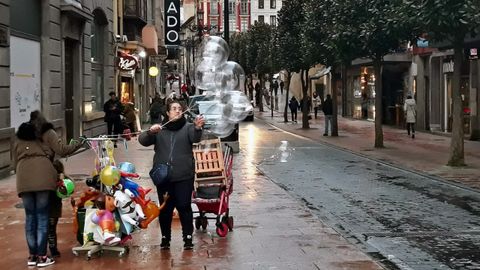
[
  {"x": 113, "y": 205},
  {"x": 213, "y": 185}
]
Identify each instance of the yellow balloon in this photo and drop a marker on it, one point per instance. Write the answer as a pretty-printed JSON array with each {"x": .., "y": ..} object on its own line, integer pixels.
[{"x": 110, "y": 175}]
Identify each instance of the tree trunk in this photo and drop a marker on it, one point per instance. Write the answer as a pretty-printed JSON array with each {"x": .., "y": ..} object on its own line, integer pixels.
[
  {"x": 335, "y": 105},
  {"x": 304, "y": 80},
  {"x": 457, "y": 157},
  {"x": 377, "y": 66},
  {"x": 287, "y": 88}
]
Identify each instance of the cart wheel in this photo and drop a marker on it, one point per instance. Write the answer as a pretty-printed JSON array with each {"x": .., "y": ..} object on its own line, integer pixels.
[
  {"x": 121, "y": 254},
  {"x": 204, "y": 223},
  {"x": 230, "y": 223},
  {"x": 198, "y": 223},
  {"x": 222, "y": 229},
  {"x": 88, "y": 258},
  {"x": 75, "y": 253}
]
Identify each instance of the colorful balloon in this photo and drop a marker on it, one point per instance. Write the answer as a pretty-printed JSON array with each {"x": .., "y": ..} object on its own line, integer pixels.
[
  {"x": 66, "y": 189},
  {"x": 110, "y": 175}
]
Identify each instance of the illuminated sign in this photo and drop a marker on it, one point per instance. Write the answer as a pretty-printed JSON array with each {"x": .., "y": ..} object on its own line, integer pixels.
[
  {"x": 172, "y": 27},
  {"x": 127, "y": 62}
]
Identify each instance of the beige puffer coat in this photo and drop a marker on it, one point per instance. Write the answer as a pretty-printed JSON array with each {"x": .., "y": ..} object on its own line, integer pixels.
[
  {"x": 410, "y": 109},
  {"x": 33, "y": 158}
]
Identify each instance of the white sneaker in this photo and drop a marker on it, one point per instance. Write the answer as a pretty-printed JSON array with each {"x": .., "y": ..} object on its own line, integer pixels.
[
  {"x": 45, "y": 261},
  {"x": 32, "y": 260}
]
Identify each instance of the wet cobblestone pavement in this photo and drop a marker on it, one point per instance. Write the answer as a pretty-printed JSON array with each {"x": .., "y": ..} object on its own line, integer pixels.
[{"x": 398, "y": 216}]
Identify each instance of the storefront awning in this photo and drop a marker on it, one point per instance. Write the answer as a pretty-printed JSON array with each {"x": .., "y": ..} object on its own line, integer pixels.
[
  {"x": 150, "y": 39},
  {"x": 320, "y": 73}
]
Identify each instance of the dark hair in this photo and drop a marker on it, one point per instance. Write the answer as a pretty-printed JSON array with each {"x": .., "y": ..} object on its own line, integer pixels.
[
  {"x": 409, "y": 96},
  {"x": 112, "y": 93},
  {"x": 38, "y": 121},
  {"x": 172, "y": 101}
]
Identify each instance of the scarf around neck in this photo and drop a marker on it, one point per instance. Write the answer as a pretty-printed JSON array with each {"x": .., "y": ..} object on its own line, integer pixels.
[{"x": 175, "y": 125}]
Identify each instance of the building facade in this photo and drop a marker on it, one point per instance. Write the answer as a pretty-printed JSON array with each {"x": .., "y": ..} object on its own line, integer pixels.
[
  {"x": 56, "y": 56},
  {"x": 265, "y": 11}
]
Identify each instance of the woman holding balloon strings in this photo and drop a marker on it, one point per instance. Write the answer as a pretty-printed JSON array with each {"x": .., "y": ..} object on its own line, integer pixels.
[
  {"x": 35, "y": 147},
  {"x": 173, "y": 144}
]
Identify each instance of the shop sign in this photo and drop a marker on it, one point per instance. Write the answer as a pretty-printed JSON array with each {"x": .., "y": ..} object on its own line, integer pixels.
[
  {"x": 172, "y": 28},
  {"x": 127, "y": 62},
  {"x": 448, "y": 67}
]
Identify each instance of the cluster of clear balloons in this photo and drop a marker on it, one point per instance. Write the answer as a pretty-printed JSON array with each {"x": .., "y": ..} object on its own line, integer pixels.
[{"x": 222, "y": 82}]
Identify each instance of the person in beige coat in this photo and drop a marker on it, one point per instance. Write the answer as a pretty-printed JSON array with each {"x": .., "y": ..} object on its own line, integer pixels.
[
  {"x": 410, "y": 110},
  {"x": 34, "y": 150}
]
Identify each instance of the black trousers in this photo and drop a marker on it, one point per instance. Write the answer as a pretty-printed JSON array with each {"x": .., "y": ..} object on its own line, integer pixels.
[
  {"x": 294, "y": 116},
  {"x": 410, "y": 126},
  {"x": 114, "y": 126},
  {"x": 52, "y": 232},
  {"x": 180, "y": 198}
]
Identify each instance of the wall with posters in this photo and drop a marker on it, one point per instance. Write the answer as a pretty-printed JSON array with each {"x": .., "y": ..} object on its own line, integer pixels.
[{"x": 25, "y": 79}]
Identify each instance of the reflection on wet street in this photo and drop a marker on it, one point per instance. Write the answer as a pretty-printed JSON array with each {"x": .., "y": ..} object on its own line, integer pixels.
[{"x": 405, "y": 220}]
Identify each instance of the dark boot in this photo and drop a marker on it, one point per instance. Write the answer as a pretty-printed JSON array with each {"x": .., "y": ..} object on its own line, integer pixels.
[
  {"x": 188, "y": 242},
  {"x": 165, "y": 243}
]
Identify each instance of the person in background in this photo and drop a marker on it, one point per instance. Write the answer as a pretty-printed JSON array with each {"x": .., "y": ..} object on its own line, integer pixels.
[
  {"x": 275, "y": 87},
  {"x": 410, "y": 110},
  {"x": 293, "y": 105},
  {"x": 35, "y": 147},
  {"x": 327, "y": 109},
  {"x": 130, "y": 116},
  {"x": 364, "y": 106},
  {"x": 316, "y": 103},
  {"x": 173, "y": 145},
  {"x": 113, "y": 109},
  {"x": 156, "y": 109}
]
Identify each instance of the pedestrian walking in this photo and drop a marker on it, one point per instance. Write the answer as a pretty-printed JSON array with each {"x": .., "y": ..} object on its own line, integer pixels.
[
  {"x": 113, "y": 109},
  {"x": 156, "y": 109},
  {"x": 35, "y": 147},
  {"x": 275, "y": 87},
  {"x": 327, "y": 109},
  {"x": 410, "y": 110},
  {"x": 282, "y": 85},
  {"x": 364, "y": 106},
  {"x": 130, "y": 116},
  {"x": 257, "y": 94},
  {"x": 173, "y": 146},
  {"x": 293, "y": 105},
  {"x": 250, "y": 91},
  {"x": 316, "y": 104}
]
